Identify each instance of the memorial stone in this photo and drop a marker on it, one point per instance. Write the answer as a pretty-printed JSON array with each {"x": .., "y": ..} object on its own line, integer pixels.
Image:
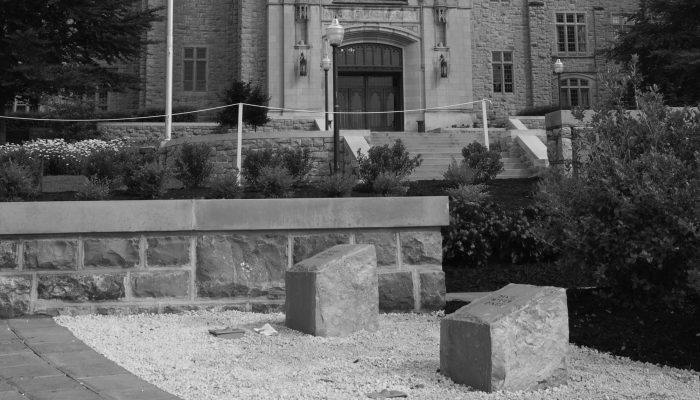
[
  {"x": 334, "y": 293},
  {"x": 514, "y": 339}
]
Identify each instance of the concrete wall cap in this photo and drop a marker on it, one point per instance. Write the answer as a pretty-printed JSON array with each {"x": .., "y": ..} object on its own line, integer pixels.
[{"x": 71, "y": 217}]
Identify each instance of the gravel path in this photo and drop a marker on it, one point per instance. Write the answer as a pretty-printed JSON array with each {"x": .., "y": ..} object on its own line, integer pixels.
[{"x": 177, "y": 354}]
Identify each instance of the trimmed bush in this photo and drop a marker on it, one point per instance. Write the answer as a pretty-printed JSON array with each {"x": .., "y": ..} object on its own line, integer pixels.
[
  {"x": 336, "y": 185},
  {"x": 388, "y": 184},
  {"x": 95, "y": 189},
  {"x": 458, "y": 174},
  {"x": 486, "y": 164},
  {"x": 17, "y": 182},
  {"x": 394, "y": 160},
  {"x": 142, "y": 174},
  {"x": 254, "y": 162},
  {"x": 481, "y": 233},
  {"x": 226, "y": 186},
  {"x": 297, "y": 162},
  {"x": 275, "y": 182},
  {"x": 193, "y": 165}
]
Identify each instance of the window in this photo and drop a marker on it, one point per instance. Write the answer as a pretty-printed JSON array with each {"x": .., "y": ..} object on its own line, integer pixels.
[
  {"x": 502, "y": 62},
  {"x": 195, "y": 69},
  {"x": 571, "y": 32},
  {"x": 102, "y": 97},
  {"x": 620, "y": 24},
  {"x": 576, "y": 92}
]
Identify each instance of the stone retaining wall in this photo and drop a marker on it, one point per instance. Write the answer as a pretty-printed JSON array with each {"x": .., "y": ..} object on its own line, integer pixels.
[
  {"x": 224, "y": 149},
  {"x": 173, "y": 255},
  {"x": 152, "y": 133}
]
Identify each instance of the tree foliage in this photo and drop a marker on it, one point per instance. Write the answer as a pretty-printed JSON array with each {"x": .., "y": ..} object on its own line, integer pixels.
[
  {"x": 631, "y": 215},
  {"x": 57, "y": 46},
  {"x": 248, "y": 93},
  {"x": 665, "y": 34}
]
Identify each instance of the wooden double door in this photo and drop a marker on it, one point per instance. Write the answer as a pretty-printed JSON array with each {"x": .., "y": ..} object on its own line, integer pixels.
[
  {"x": 370, "y": 77},
  {"x": 370, "y": 101}
]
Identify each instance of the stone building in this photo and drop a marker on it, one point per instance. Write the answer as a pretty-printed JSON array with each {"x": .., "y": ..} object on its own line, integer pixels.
[{"x": 397, "y": 55}]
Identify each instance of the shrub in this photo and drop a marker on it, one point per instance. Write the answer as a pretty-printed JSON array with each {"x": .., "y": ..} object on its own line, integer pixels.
[
  {"x": 226, "y": 186},
  {"x": 485, "y": 163},
  {"x": 482, "y": 233},
  {"x": 384, "y": 159},
  {"x": 336, "y": 185},
  {"x": 17, "y": 182},
  {"x": 193, "y": 165},
  {"x": 275, "y": 181},
  {"x": 631, "y": 214},
  {"x": 254, "y": 162},
  {"x": 95, "y": 189},
  {"x": 297, "y": 161},
  {"x": 142, "y": 174},
  {"x": 102, "y": 164},
  {"x": 458, "y": 174},
  {"x": 388, "y": 184}
]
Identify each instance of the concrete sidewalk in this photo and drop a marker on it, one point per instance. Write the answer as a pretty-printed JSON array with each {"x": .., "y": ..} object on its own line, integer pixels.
[{"x": 40, "y": 360}]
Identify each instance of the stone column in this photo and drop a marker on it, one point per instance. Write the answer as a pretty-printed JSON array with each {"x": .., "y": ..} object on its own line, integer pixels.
[{"x": 540, "y": 54}]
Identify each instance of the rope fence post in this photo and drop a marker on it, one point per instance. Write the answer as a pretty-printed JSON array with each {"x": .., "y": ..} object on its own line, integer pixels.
[
  {"x": 486, "y": 124},
  {"x": 239, "y": 147}
]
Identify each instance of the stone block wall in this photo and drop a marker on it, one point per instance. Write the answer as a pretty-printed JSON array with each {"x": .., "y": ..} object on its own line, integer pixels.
[
  {"x": 152, "y": 133},
  {"x": 216, "y": 258},
  {"x": 224, "y": 149}
]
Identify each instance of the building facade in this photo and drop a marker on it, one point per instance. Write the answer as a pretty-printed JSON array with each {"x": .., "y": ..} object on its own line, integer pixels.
[{"x": 403, "y": 61}]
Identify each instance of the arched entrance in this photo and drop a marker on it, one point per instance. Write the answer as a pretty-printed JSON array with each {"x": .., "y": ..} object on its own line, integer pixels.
[{"x": 370, "y": 77}]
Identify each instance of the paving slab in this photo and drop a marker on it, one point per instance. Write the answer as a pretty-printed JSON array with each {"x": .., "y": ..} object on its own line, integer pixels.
[
  {"x": 45, "y": 383},
  {"x": 67, "y": 394},
  {"x": 5, "y": 387},
  {"x": 40, "y": 360},
  {"x": 118, "y": 382},
  {"x": 26, "y": 357},
  {"x": 13, "y": 346},
  {"x": 12, "y": 395},
  {"x": 41, "y": 368},
  {"x": 61, "y": 347},
  {"x": 91, "y": 369},
  {"x": 145, "y": 394}
]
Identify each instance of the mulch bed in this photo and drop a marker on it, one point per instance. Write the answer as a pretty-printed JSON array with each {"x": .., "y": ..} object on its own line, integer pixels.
[{"x": 652, "y": 333}]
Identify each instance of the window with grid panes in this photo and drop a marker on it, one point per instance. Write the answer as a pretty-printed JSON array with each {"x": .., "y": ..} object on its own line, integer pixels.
[
  {"x": 576, "y": 92},
  {"x": 502, "y": 62},
  {"x": 571, "y": 33},
  {"x": 195, "y": 69},
  {"x": 621, "y": 24}
]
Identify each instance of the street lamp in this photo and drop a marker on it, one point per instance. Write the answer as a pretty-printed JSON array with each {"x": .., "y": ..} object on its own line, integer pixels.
[
  {"x": 326, "y": 65},
  {"x": 335, "y": 33},
  {"x": 558, "y": 69}
]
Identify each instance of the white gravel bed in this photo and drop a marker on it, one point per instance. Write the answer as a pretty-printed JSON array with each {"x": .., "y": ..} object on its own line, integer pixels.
[{"x": 176, "y": 353}]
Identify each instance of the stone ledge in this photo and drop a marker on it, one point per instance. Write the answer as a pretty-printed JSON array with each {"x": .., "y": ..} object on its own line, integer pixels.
[{"x": 76, "y": 217}]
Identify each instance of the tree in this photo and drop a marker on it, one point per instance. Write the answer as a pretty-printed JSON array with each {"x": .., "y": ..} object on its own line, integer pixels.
[
  {"x": 67, "y": 46},
  {"x": 244, "y": 92},
  {"x": 665, "y": 34}
]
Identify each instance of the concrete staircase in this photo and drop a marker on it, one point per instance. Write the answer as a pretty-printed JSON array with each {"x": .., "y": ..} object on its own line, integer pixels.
[{"x": 438, "y": 149}]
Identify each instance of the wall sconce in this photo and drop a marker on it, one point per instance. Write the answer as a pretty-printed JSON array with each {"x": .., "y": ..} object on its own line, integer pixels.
[
  {"x": 302, "y": 65},
  {"x": 443, "y": 66}
]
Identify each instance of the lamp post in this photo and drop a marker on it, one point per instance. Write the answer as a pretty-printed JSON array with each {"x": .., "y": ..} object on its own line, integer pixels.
[
  {"x": 335, "y": 33},
  {"x": 558, "y": 69},
  {"x": 326, "y": 65}
]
